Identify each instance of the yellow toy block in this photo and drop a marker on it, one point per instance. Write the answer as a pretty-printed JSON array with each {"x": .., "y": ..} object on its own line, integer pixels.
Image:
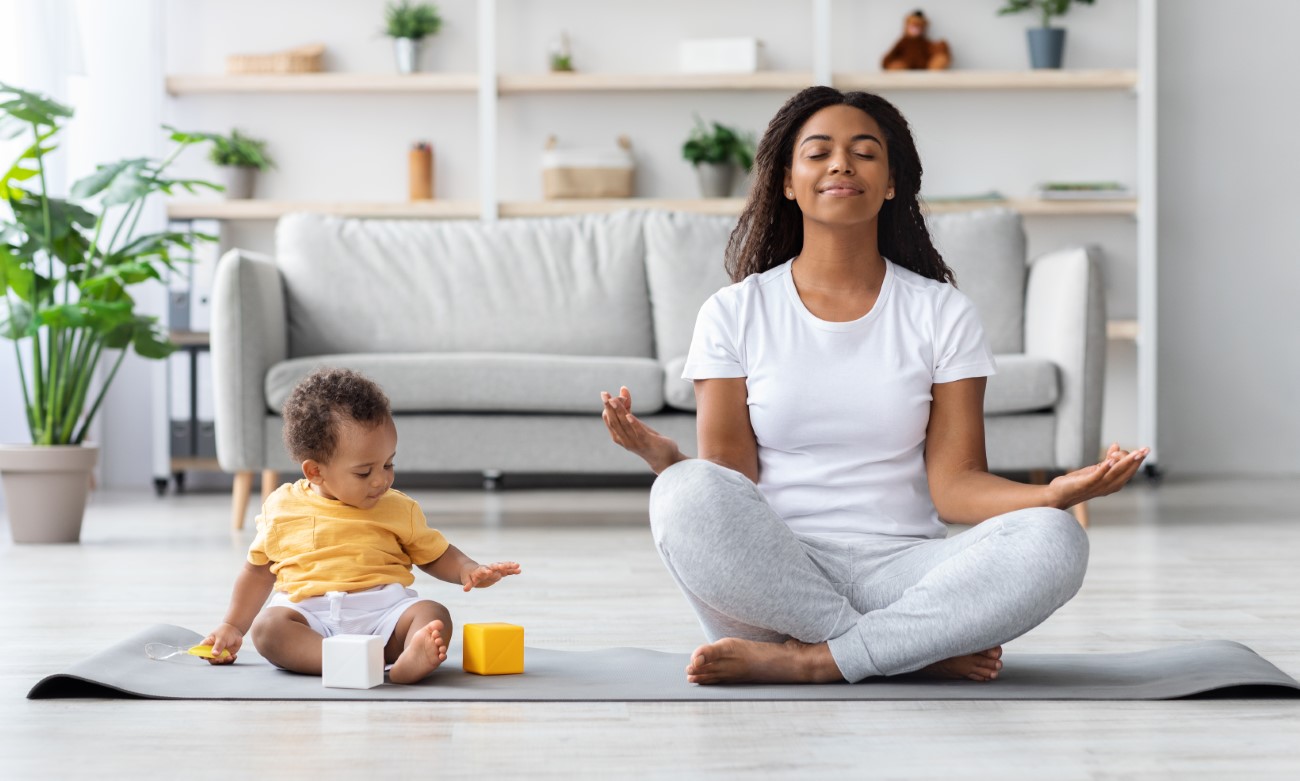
[{"x": 493, "y": 649}]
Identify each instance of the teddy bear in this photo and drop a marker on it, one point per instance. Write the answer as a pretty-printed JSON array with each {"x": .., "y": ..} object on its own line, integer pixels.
[{"x": 914, "y": 51}]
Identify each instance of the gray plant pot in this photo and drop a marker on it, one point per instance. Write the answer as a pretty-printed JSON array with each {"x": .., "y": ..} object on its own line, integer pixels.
[
  {"x": 715, "y": 179},
  {"x": 45, "y": 490},
  {"x": 744, "y": 182},
  {"x": 407, "y": 53},
  {"x": 239, "y": 180},
  {"x": 1046, "y": 46}
]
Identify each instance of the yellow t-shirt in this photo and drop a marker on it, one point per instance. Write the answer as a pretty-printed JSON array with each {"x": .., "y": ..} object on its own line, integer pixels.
[{"x": 315, "y": 545}]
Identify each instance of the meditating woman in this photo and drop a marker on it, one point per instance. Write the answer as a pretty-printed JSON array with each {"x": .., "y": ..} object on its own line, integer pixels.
[{"x": 840, "y": 392}]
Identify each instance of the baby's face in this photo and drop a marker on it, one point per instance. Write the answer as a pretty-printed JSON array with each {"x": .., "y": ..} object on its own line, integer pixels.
[{"x": 361, "y": 470}]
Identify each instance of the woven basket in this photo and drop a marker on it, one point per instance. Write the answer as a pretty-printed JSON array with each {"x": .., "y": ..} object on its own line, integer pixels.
[
  {"x": 588, "y": 173},
  {"x": 303, "y": 59}
]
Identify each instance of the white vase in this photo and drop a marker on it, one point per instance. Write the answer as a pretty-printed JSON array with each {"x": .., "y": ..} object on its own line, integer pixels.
[
  {"x": 407, "y": 53},
  {"x": 45, "y": 490}
]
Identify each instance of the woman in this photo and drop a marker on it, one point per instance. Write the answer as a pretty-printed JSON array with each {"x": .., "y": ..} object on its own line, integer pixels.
[{"x": 840, "y": 392}]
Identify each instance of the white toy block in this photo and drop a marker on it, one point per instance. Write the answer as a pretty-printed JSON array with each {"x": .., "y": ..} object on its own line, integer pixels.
[{"x": 352, "y": 661}]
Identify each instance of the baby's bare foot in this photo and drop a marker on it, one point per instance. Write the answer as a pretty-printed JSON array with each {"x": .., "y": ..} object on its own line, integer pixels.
[
  {"x": 732, "y": 660},
  {"x": 422, "y": 655},
  {"x": 980, "y": 666}
]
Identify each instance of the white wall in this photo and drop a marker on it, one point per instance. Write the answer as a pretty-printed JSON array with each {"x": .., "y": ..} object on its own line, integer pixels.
[
  {"x": 354, "y": 147},
  {"x": 1230, "y": 237}
]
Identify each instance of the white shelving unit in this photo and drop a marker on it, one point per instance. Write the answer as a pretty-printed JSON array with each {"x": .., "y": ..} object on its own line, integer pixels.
[{"x": 491, "y": 87}]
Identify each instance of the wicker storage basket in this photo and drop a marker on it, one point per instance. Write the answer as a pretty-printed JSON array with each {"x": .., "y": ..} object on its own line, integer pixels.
[
  {"x": 303, "y": 59},
  {"x": 588, "y": 173}
]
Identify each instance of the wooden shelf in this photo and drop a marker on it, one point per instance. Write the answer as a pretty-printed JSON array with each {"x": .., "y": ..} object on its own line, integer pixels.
[
  {"x": 194, "y": 463},
  {"x": 190, "y": 338},
  {"x": 562, "y": 206},
  {"x": 271, "y": 210},
  {"x": 779, "y": 81},
  {"x": 323, "y": 82},
  {"x": 1044, "y": 79}
]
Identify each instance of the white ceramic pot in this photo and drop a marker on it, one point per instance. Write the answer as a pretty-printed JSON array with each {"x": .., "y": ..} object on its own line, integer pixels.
[
  {"x": 45, "y": 490},
  {"x": 407, "y": 52}
]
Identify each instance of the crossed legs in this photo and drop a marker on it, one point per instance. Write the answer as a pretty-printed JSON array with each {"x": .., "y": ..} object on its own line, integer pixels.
[{"x": 779, "y": 607}]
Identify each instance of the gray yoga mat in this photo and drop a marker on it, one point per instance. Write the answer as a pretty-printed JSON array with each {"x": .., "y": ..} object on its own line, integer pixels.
[{"x": 1215, "y": 668}]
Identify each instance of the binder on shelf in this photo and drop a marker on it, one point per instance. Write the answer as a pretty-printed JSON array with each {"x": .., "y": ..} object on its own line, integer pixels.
[
  {"x": 206, "y": 444},
  {"x": 202, "y": 273},
  {"x": 178, "y": 403}
]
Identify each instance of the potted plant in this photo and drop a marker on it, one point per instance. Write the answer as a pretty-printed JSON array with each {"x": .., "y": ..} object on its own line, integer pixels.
[
  {"x": 407, "y": 25},
  {"x": 66, "y": 266},
  {"x": 716, "y": 151},
  {"x": 240, "y": 158},
  {"x": 1046, "y": 43}
]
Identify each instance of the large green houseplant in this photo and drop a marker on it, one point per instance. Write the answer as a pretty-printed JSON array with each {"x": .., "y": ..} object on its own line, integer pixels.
[{"x": 66, "y": 268}]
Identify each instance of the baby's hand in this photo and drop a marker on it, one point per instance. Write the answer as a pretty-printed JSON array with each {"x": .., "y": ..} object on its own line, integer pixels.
[
  {"x": 224, "y": 637},
  {"x": 484, "y": 575}
]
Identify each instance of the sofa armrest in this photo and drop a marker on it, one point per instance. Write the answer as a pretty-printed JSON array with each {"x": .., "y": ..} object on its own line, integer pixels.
[
  {"x": 1065, "y": 322},
  {"x": 249, "y": 335}
]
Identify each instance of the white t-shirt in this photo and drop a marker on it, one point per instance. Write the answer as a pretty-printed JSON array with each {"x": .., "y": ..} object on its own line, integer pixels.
[{"x": 840, "y": 409}]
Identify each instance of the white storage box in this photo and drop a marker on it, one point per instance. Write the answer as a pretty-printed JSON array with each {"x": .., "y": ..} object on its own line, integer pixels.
[
  {"x": 721, "y": 55},
  {"x": 588, "y": 173}
]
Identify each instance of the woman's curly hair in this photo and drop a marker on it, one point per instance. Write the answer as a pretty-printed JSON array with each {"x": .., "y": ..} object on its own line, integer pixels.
[
  {"x": 324, "y": 401},
  {"x": 770, "y": 229}
]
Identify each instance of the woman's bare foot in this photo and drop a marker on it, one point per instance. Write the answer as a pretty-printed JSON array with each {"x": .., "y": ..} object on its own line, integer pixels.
[
  {"x": 732, "y": 660},
  {"x": 421, "y": 656},
  {"x": 979, "y": 666}
]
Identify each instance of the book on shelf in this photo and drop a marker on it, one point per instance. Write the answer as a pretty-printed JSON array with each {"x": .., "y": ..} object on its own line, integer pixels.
[
  {"x": 991, "y": 196},
  {"x": 1082, "y": 191}
]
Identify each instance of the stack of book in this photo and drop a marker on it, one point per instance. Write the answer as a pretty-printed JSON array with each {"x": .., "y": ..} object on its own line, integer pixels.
[{"x": 1082, "y": 191}]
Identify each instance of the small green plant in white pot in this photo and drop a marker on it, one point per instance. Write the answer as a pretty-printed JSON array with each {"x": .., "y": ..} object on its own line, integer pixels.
[
  {"x": 1046, "y": 43},
  {"x": 718, "y": 152},
  {"x": 67, "y": 266},
  {"x": 241, "y": 157},
  {"x": 408, "y": 24}
]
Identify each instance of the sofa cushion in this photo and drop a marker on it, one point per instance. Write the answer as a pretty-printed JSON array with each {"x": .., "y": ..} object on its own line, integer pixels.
[
  {"x": 678, "y": 393},
  {"x": 1022, "y": 384},
  {"x": 486, "y": 382},
  {"x": 683, "y": 264},
  {"x": 986, "y": 250},
  {"x": 560, "y": 286}
]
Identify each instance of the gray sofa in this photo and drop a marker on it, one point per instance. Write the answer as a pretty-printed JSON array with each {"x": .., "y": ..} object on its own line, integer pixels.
[{"x": 494, "y": 340}]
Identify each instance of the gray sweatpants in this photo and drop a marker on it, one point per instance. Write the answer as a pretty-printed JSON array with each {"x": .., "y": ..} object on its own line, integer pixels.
[{"x": 885, "y": 605}]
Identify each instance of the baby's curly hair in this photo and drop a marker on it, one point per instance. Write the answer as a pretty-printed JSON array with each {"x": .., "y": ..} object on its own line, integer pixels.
[{"x": 323, "y": 401}]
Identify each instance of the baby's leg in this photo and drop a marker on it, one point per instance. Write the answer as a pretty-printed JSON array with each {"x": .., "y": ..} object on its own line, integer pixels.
[
  {"x": 282, "y": 635},
  {"x": 419, "y": 642}
]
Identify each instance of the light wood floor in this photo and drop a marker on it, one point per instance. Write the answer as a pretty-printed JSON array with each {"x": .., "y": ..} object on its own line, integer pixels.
[{"x": 1185, "y": 561}]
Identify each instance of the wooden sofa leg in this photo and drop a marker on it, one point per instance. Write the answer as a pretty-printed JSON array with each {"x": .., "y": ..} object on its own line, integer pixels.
[
  {"x": 239, "y": 499},
  {"x": 270, "y": 481},
  {"x": 1080, "y": 511}
]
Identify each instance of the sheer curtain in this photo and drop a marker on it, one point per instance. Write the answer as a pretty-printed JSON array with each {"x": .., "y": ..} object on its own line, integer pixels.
[{"x": 105, "y": 60}]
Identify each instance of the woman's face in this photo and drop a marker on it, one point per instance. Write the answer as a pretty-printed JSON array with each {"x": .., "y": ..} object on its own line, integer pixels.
[{"x": 840, "y": 170}]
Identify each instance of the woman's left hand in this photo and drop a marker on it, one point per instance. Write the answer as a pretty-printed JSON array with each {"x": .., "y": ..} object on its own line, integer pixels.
[{"x": 1107, "y": 477}]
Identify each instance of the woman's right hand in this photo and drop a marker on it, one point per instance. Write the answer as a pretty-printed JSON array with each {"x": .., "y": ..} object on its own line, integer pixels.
[
  {"x": 627, "y": 431},
  {"x": 227, "y": 638}
]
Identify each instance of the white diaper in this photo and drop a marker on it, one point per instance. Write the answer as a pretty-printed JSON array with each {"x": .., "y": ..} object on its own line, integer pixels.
[{"x": 374, "y": 611}]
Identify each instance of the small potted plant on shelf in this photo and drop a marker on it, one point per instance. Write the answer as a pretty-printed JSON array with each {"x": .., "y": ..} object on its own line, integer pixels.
[
  {"x": 1046, "y": 43},
  {"x": 240, "y": 158},
  {"x": 717, "y": 152},
  {"x": 407, "y": 25},
  {"x": 66, "y": 266}
]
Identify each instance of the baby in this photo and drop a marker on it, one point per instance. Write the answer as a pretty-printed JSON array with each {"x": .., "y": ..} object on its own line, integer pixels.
[{"x": 337, "y": 546}]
